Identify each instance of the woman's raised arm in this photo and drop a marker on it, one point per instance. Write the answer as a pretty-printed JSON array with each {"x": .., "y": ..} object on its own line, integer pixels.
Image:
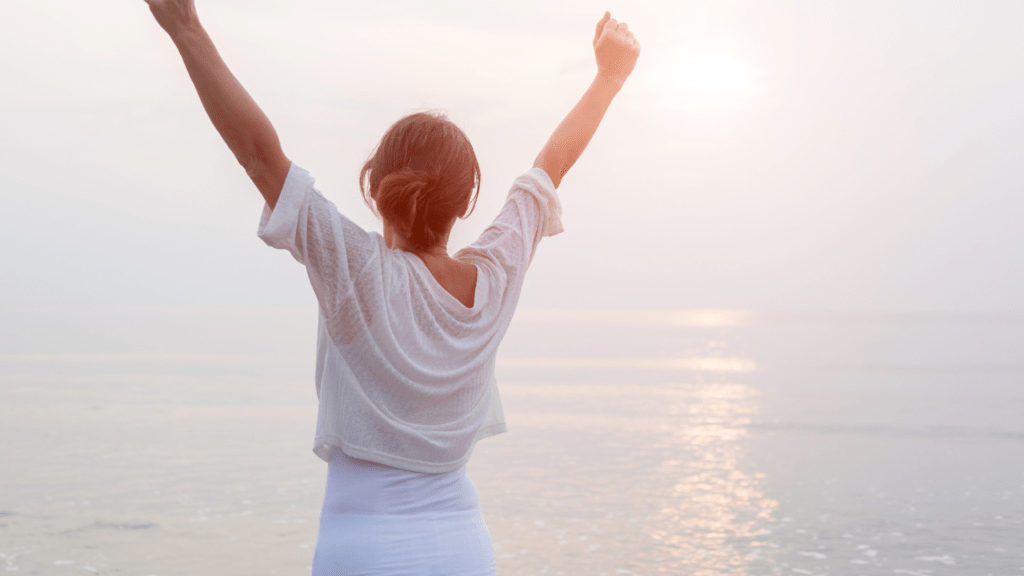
[
  {"x": 244, "y": 127},
  {"x": 617, "y": 51}
]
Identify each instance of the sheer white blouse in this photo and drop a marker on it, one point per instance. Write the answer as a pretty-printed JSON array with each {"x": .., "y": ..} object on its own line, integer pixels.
[{"x": 404, "y": 371}]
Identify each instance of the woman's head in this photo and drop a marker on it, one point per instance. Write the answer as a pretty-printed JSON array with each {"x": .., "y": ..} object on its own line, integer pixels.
[{"x": 422, "y": 176}]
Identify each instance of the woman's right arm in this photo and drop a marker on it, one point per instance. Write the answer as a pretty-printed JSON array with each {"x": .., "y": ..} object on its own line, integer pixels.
[
  {"x": 245, "y": 128},
  {"x": 617, "y": 51}
]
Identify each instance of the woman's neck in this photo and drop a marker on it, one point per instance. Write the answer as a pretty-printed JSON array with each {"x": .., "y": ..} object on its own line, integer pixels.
[
  {"x": 396, "y": 241},
  {"x": 457, "y": 278}
]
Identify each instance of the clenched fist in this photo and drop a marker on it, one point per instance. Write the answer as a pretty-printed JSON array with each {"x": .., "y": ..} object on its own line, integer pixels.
[{"x": 616, "y": 49}]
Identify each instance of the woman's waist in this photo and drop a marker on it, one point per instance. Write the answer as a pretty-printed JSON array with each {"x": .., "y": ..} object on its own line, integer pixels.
[{"x": 361, "y": 487}]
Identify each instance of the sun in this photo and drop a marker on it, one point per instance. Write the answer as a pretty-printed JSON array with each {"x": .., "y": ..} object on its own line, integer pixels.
[{"x": 712, "y": 76}]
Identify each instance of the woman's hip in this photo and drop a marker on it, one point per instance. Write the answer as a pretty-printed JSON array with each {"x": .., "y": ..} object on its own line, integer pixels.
[{"x": 430, "y": 544}]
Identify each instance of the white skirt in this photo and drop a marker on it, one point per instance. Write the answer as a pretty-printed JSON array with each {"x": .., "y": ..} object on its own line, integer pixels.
[{"x": 378, "y": 520}]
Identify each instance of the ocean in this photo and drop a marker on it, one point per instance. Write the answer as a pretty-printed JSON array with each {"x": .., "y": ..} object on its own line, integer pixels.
[{"x": 177, "y": 441}]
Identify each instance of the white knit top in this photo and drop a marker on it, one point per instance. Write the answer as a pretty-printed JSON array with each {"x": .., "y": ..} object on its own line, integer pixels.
[{"x": 404, "y": 371}]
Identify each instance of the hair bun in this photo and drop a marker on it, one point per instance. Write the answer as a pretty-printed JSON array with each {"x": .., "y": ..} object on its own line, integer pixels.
[
  {"x": 404, "y": 199},
  {"x": 422, "y": 176}
]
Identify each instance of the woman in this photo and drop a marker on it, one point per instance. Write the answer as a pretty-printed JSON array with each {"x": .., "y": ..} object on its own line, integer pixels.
[{"x": 407, "y": 333}]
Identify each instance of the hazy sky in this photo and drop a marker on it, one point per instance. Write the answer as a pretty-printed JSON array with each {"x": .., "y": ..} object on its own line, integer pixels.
[{"x": 765, "y": 155}]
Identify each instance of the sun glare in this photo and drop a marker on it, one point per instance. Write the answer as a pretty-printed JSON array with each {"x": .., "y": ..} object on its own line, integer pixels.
[{"x": 712, "y": 77}]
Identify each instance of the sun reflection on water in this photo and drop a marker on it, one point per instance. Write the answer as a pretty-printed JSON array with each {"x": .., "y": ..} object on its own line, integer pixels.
[{"x": 712, "y": 521}]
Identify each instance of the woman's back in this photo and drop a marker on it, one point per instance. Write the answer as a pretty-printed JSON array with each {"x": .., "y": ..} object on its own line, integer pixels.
[
  {"x": 456, "y": 277},
  {"x": 410, "y": 359},
  {"x": 405, "y": 369}
]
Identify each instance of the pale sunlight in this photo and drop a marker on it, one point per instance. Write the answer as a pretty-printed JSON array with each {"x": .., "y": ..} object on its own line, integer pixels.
[{"x": 712, "y": 76}]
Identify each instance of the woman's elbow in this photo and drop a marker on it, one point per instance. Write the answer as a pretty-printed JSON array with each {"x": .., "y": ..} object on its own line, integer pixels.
[
  {"x": 267, "y": 171},
  {"x": 552, "y": 165}
]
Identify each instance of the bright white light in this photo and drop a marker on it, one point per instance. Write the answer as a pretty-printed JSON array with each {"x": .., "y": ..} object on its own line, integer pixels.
[
  {"x": 699, "y": 77},
  {"x": 711, "y": 77},
  {"x": 719, "y": 75}
]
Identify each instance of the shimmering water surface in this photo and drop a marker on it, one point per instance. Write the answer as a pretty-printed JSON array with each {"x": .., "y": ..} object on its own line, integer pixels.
[{"x": 177, "y": 441}]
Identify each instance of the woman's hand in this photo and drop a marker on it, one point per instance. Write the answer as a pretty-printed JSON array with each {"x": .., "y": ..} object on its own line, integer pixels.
[
  {"x": 616, "y": 49},
  {"x": 174, "y": 16}
]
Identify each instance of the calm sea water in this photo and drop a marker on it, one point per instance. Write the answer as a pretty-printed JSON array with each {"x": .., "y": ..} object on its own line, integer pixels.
[{"x": 177, "y": 442}]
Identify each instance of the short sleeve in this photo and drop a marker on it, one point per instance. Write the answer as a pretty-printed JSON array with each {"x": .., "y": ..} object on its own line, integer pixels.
[
  {"x": 333, "y": 249},
  {"x": 279, "y": 227},
  {"x": 548, "y": 218},
  {"x": 531, "y": 212}
]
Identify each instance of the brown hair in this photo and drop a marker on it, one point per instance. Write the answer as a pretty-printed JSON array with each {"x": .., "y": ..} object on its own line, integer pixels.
[{"x": 422, "y": 176}]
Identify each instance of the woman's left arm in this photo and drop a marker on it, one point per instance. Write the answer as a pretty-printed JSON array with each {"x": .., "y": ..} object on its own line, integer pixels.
[{"x": 244, "y": 127}]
